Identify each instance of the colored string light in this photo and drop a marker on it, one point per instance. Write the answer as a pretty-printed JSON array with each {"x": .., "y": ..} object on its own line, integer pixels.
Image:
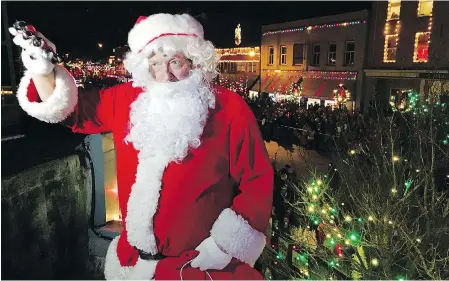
[{"x": 313, "y": 27}]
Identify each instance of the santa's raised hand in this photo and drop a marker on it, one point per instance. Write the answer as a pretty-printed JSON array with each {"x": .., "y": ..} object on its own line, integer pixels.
[{"x": 38, "y": 53}]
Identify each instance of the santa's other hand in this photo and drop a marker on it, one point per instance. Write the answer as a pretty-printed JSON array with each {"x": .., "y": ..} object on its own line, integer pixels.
[{"x": 210, "y": 256}]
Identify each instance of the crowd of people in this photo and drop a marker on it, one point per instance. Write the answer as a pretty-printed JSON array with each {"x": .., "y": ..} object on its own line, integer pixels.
[{"x": 314, "y": 127}]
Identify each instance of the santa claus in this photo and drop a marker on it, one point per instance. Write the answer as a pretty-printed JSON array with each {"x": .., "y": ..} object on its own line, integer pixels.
[{"x": 194, "y": 178}]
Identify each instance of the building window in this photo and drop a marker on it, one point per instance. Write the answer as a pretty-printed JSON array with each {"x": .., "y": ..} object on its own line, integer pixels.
[
  {"x": 349, "y": 52},
  {"x": 283, "y": 52},
  {"x": 316, "y": 55},
  {"x": 298, "y": 54},
  {"x": 425, "y": 8},
  {"x": 332, "y": 54},
  {"x": 240, "y": 67},
  {"x": 421, "y": 52},
  {"x": 253, "y": 67},
  {"x": 270, "y": 55},
  {"x": 394, "y": 9},
  {"x": 390, "y": 48}
]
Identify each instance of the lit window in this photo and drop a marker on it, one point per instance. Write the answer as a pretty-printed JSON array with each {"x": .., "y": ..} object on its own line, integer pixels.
[
  {"x": 394, "y": 9},
  {"x": 421, "y": 52},
  {"x": 425, "y": 8},
  {"x": 270, "y": 55},
  {"x": 316, "y": 55},
  {"x": 283, "y": 51},
  {"x": 390, "y": 48},
  {"x": 240, "y": 67},
  {"x": 332, "y": 53},
  {"x": 349, "y": 52},
  {"x": 298, "y": 54}
]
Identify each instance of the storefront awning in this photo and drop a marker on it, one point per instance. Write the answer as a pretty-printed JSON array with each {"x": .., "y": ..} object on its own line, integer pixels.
[
  {"x": 319, "y": 88},
  {"x": 313, "y": 85},
  {"x": 277, "y": 83},
  {"x": 238, "y": 82}
]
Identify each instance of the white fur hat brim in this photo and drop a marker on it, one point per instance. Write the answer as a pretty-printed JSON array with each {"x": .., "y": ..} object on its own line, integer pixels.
[{"x": 147, "y": 30}]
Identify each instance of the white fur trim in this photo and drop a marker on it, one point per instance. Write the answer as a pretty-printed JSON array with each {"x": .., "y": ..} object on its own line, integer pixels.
[
  {"x": 112, "y": 268},
  {"x": 142, "y": 270},
  {"x": 58, "y": 106},
  {"x": 158, "y": 24},
  {"x": 237, "y": 237},
  {"x": 165, "y": 123},
  {"x": 143, "y": 201}
]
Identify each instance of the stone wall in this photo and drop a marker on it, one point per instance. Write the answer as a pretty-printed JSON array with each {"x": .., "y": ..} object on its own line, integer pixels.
[{"x": 45, "y": 193}]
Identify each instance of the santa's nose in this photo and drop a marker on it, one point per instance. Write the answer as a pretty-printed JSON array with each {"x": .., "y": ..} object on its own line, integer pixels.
[{"x": 167, "y": 76}]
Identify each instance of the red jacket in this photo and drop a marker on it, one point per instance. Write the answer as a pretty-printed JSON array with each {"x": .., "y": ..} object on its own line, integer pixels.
[{"x": 223, "y": 188}]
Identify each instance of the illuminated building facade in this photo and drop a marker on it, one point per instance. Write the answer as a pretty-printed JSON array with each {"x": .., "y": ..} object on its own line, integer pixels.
[
  {"x": 239, "y": 68},
  {"x": 407, "y": 49},
  {"x": 313, "y": 57}
]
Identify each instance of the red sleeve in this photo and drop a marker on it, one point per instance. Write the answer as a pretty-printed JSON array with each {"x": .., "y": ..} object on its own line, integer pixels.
[
  {"x": 95, "y": 111},
  {"x": 88, "y": 112},
  {"x": 240, "y": 229}
]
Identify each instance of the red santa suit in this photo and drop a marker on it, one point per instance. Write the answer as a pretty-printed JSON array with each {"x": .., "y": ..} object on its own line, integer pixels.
[{"x": 221, "y": 189}]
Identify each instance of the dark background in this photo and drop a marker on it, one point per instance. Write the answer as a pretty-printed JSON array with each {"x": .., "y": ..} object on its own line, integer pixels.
[{"x": 77, "y": 27}]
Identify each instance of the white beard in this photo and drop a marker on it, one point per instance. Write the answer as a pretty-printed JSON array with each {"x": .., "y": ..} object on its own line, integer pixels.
[
  {"x": 170, "y": 117},
  {"x": 166, "y": 121}
]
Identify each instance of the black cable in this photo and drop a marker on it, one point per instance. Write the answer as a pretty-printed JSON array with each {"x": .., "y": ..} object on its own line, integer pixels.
[{"x": 92, "y": 209}]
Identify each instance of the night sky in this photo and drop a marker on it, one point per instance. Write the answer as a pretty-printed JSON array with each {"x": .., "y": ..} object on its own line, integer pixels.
[{"x": 77, "y": 27}]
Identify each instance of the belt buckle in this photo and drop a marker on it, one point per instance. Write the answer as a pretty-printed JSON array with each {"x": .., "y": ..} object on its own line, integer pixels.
[{"x": 145, "y": 256}]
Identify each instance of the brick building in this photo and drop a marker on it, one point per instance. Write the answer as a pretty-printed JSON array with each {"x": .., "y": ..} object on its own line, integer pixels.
[
  {"x": 407, "y": 50},
  {"x": 314, "y": 56}
]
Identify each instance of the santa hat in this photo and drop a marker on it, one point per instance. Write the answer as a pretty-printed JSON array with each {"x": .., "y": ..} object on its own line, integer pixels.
[{"x": 149, "y": 29}]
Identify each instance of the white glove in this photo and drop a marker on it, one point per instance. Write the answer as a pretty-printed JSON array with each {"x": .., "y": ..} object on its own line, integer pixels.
[
  {"x": 35, "y": 59},
  {"x": 142, "y": 270},
  {"x": 210, "y": 256}
]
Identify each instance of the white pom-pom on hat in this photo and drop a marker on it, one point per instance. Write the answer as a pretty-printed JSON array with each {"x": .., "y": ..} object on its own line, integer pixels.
[{"x": 148, "y": 29}]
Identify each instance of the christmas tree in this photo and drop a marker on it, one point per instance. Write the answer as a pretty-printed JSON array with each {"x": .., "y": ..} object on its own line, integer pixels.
[{"x": 382, "y": 211}]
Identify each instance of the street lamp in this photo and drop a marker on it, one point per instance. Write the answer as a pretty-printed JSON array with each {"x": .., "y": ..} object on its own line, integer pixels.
[{"x": 100, "y": 45}]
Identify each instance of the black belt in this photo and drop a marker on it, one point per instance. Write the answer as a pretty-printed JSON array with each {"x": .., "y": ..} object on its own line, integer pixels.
[{"x": 148, "y": 256}]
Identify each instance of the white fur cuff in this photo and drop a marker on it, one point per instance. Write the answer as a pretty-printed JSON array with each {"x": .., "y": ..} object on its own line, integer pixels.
[
  {"x": 58, "y": 106},
  {"x": 237, "y": 237}
]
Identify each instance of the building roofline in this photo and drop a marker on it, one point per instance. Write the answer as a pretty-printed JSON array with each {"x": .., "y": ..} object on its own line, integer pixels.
[
  {"x": 357, "y": 15},
  {"x": 241, "y": 46}
]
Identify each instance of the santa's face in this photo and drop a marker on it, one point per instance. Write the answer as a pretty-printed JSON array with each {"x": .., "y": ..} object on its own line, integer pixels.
[
  {"x": 166, "y": 68},
  {"x": 169, "y": 117}
]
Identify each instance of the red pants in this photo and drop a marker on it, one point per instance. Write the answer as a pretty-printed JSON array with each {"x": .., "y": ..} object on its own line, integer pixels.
[{"x": 170, "y": 269}]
